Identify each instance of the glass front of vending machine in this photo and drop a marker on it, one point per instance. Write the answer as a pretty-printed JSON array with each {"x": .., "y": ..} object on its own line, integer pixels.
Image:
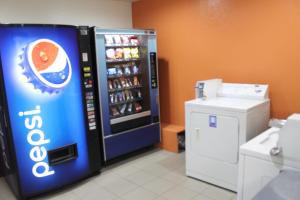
[{"x": 128, "y": 89}]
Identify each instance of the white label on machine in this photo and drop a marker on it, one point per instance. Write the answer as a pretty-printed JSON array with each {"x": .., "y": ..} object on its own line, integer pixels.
[{"x": 84, "y": 57}]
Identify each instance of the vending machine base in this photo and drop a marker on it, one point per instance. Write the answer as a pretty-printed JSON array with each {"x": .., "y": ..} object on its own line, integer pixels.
[{"x": 130, "y": 141}]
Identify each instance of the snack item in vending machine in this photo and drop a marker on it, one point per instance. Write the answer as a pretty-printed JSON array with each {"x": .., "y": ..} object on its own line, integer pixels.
[
  {"x": 127, "y": 53},
  {"x": 135, "y": 69},
  {"x": 125, "y": 39},
  {"x": 119, "y": 53},
  {"x": 110, "y": 54},
  {"x": 134, "y": 53},
  {"x": 116, "y": 97},
  {"x": 129, "y": 109},
  {"x": 129, "y": 83},
  {"x": 127, "y": 70},
  {"x": 123, "y": 96},
  {"x": 117, "y": 39},
  {"x": 114, "y": 111},
  {"x": 136, "y": 81},
  {"x": 120, "y": 97},
  {"x": 117, "y": 84},
  {"x": 127, "y": 95},
  {"x": 110, "y": 85},
  {"x": 138, "y": 107},
  {"x": 139, "y": 94},
  {"x": 123, "y": 82},
  {"x": 122, "y": 109},
  {"x": 109, "y": 40},
  {"x": 112, "y": 98},
  {"x": 111, "y": 71},
  {"x": 134, "y": 40},
  {"x": 130, "y": 94},
  {"x": 119, "y": 71}
]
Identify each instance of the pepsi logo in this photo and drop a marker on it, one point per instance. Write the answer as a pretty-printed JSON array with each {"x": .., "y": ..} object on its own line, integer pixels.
[{"x": 49, "y": 67}]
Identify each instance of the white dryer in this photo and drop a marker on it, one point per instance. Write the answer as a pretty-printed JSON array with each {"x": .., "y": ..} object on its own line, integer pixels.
[{"x": 221, "y": 118}]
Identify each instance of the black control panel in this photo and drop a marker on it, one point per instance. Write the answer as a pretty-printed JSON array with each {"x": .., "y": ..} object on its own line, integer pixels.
[
  {"x": 89, "y": 99},
  {"x": 153, "y": 66},
  {"x": 88, "y": 81}
]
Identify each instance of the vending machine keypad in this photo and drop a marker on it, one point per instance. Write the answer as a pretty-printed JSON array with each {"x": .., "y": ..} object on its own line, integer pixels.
[
  {"x": 88, "y": 81},
  {"x": 153, "y": 65}
]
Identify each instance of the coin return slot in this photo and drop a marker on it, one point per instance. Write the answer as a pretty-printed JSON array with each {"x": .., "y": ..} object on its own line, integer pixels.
[{"x": 62, "y": 154}]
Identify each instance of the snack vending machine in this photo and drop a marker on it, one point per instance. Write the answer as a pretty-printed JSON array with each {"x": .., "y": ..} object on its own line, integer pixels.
[
  {"x": 128, "y": 89},
  {"x": 48, "y": 134}
]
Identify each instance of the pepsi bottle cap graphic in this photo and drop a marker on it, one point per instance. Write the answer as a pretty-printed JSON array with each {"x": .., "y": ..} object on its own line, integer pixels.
[{"x": 46, "y": 65}]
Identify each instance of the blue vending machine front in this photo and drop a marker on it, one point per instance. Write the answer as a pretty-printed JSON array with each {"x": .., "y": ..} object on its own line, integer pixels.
[{"x": 48, "y": 106}]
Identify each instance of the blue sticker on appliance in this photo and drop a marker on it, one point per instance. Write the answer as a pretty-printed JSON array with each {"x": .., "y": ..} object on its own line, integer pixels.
[{"x": 213, "y": 121}]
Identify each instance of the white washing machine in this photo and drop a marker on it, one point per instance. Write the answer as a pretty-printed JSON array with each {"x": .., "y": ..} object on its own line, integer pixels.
[
  {"x": 262, "y": 158},
  {"x": 221, "y": 118}
]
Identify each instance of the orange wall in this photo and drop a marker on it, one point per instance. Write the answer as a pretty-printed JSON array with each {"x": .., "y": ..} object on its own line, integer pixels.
[{"x": 255, "y": 41}]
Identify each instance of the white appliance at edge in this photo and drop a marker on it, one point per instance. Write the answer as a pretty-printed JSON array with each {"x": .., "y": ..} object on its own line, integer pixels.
[
  {"x": 221, "y": 118},
  {"x": 262, "y": 158}
]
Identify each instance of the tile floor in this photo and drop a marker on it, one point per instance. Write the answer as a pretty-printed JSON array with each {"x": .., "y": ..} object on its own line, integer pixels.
[{"x": 154, "y": 175}]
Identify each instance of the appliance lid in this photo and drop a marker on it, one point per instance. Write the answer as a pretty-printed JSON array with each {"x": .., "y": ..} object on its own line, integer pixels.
[
  {"x": 213, "y": 88},
  {"x": 244, "y": 91},
  {"x": 262, "y": 144}
]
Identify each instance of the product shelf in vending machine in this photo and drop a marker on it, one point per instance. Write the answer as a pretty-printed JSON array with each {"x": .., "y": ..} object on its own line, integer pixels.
[{"x": 128, "y": 89}]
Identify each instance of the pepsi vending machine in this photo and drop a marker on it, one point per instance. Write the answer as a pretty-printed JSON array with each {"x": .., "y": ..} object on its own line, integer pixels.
[
  {"x": 128, "y": 89},
  {"x": 48, "y": 134}
]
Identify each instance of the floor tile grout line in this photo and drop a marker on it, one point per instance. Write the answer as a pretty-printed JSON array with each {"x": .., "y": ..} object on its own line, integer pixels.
[
  {"x": 137, "y": 186},
  {"x": 166, "y": 190},
  {"x": 104, "y": 188}
]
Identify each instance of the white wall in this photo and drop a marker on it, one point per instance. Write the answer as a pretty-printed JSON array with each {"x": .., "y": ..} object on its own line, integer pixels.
[{"x": 102, "y": 13}]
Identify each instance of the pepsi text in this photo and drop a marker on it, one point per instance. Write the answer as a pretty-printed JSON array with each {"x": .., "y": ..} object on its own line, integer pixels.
[{"x": 37, "y": 138}]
